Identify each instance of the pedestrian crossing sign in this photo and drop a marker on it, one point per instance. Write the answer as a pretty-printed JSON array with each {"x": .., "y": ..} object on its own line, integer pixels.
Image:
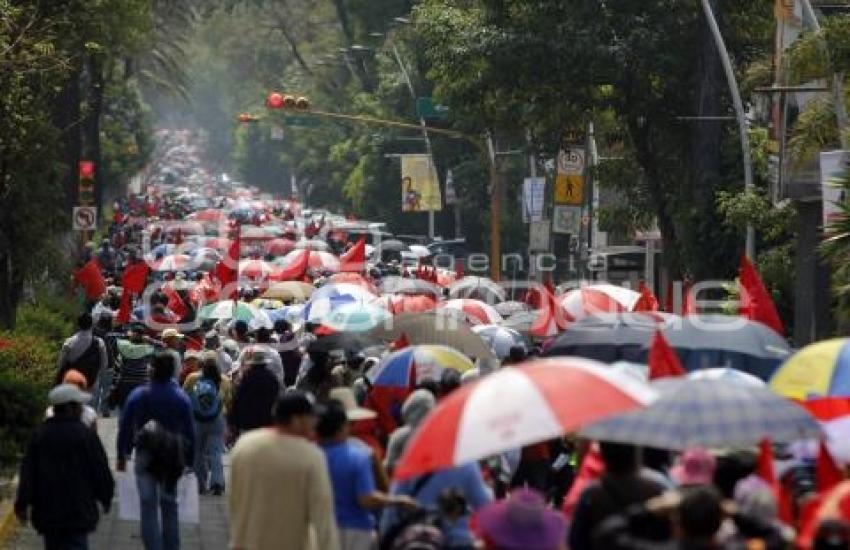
[{"x": 569, "y": 189}]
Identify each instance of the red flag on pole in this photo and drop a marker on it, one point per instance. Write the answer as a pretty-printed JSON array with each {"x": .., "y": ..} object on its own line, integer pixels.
[
  {"x": 827, "y": 472},
  {"x": 756, "y": 303},
  {"x": 91, "y": 280},
  {"x": 296, "y": 270},
  {"x": 227, "y": 270},
  {"x": 132, "y": 282},
  {"x": 663, "y": 361},
  {"x": 355, "y": 259},
  {"x": 647, "y": 300}
]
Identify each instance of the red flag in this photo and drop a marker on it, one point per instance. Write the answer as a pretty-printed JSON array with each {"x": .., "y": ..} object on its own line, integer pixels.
[
  {"x": 355, "y": 259},
  {"x": 756, "y": 303},
  {"x": 552, "y": 316},
  {"x": 295, "y": 271},
  {"x": 689, "y": 306},
  {"x": 647, "y": 300},
  {"x": 592, "y": 467},
  {"x": 459, "y": 268},
  {"x": 132, "y": 282},
  {"x": 663, "y": 361},
  {"x": 227, "y": 270},
  {"x": 827, "y": 471},
  {"x": 175, "y": 302},
  {"x": 764, "y": 467},
  {"x": 91, "y": 279},
  {"x": 400, "y": 343}
]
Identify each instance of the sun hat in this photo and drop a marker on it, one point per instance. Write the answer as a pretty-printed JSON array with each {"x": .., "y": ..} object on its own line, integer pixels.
[
  {"x": 522, "y": 522},
  {"x": 695, "y": 467},
  {"x": 171, "y": 333},
  {"x": 76, "y": 378},
  {"x": 349, "y": 402},
  {"x": 68, "y": 393},
  {"x": 193, "y": 354}
]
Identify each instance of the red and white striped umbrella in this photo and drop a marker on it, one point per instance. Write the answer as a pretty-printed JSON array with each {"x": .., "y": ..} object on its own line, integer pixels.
[
  {"x": 174, "y": 262},
  {"x": 593, "y": 300},
  {"x": 255, "y": 270},
  {"x": 322, "y": 261},
  {"x": 517, "y": 406},
  {"x": 478, "y": 311},
  {"x": 279, "y": 247}
]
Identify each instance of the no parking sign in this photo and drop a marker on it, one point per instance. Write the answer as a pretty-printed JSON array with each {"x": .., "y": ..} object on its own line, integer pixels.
[{"x": 84, "y": 218}]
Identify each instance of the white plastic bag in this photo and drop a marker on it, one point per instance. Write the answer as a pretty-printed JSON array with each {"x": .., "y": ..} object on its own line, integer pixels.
[{"x": 188, "y": 503}]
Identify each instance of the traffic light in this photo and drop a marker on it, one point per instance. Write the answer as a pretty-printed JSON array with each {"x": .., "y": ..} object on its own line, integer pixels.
[
  {"x": 302, "y": 104},
  {"x": 275, "y": 101},
  {"x": 85, "y": 188}
]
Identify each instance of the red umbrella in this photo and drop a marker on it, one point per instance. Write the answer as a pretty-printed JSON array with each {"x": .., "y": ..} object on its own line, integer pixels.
[
  {"x": 255, "y": 270},
  {"x": 209, "y": 215},
  {"x": 479, "y": 312},
  {"x": 513, "y": 407},
  {"x": 279, "y": 247},
  {"x": 401, "y": 303}
]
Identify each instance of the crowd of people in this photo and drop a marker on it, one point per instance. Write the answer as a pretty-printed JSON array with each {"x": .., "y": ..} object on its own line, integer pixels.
[{"x": 312, "y": 457}]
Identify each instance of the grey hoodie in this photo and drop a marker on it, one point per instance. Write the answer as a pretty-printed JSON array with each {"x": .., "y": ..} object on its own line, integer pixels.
[{"x": 414, "y": 410}]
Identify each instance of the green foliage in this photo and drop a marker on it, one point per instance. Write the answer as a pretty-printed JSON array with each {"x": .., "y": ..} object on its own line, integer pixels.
[
  {"x": 39, "y": 320},
  {"x": 836, "y": 250},
  {"x": 22, "y": 405},
  {"x": 27, "y": 357}
]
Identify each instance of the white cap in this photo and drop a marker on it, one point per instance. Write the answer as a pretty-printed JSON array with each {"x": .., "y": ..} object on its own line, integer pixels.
[{"x": 68, "y": 393}]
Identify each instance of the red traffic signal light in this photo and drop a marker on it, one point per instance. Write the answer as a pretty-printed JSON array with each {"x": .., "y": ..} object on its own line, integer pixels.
[
  {"x": 86, "y": 169},
  {"x": 275, "y": 101}
]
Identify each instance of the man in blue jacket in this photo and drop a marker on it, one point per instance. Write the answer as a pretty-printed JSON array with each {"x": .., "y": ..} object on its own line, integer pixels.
[{"x": 157, "y": 421}]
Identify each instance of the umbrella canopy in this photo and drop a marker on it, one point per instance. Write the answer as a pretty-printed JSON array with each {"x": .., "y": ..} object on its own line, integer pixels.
[
  {"x": 322, "y": 261},
  {"x": 435, "y": 327},
  {"x": 253, "y": 233},
  {"x": 336, "y": 290},
  {"x": 700, "y": 341},
  {"x": 205, "y": 258},
  {"x": 209, "y": 215},
  {"x": 405, "y": 285},
  {"x": 730, "y": 376},
  {"x": 420, "y": 251},
  {"x": 354, "y": 279},
  {"x": 317, "y": 245},
  {"x": 582, "y": 302},
  {"x": 240, "y": 311},
  {"x": 480, "y": 288},
  {"x": 356, "y": 317},
  {"x": 501, "y": 339},
  {"x": 219, "y": 243},
  {"x": 511, "y": 307},
  {"x": 709, "y": 413},
  {"x": 817, "y": 370},
  {"x": 279, "y": 247},
  {"x": 392, "y": 245},
  {"x": 175, "y": 262},
  {"x": 400, "y": 303},
  {"x": 266, "y": 303},
  {"x": 345, "y": 341},
  {"x": 478, "y": 311},
  {"x": 514, "y": 407},
  {"x": 414, "y": 364},
  {"x": 330, "y": 297},
  {"x": 290, "y": 291},
  {"x": 255, "y": 271},
  {"x": 290, "y": 314}
]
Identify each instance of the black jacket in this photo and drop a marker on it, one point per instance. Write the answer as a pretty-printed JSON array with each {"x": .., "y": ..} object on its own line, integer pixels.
[
  {"x": 253, "y": 399},
  {"x": 63, "y": 476}
]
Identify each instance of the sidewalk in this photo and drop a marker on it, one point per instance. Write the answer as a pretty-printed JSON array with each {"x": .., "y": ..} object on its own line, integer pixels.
[{"x": 114, "y": 534}]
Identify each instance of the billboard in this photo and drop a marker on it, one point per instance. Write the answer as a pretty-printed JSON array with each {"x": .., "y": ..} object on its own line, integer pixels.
[{"x": 420, "y": 186}]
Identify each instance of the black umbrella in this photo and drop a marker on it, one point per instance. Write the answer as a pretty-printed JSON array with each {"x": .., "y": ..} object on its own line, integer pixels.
[
  {"x": 393, "y": 245},
  {"x": 700, "y": 341}
]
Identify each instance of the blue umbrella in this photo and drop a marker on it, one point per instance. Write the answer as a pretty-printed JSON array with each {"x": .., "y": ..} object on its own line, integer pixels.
[{"x": 708, "y": 413}]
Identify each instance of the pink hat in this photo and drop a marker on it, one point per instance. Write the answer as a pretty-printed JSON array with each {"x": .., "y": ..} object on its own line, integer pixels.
[{"x": 694, "y": 467}]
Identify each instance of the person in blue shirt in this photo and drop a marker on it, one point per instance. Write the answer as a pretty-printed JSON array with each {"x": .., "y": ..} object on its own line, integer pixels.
[
  {"x": 162, "y": 404},
  {"x": 353, "y": 480},
  {"x": 450, "y": 484}
]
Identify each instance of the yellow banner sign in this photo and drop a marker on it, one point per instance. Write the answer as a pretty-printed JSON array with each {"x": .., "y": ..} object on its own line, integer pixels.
[{"x": 420, "y": 186}]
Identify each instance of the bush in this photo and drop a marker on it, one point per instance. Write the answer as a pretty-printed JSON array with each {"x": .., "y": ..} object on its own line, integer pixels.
[
  {"x": 22, "y": 405},
  {"x": 44, "y": 322},
  {"x": 28, "y": 358}
]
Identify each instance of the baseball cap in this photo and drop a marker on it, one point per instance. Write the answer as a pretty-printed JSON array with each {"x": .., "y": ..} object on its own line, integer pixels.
[{"x": 68, "y": 393}]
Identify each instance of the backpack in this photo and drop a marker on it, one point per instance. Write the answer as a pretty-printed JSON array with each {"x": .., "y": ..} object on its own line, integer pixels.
[
  {"x": 413, "y": 526},
  {"x": 166, "y": 450},
  {"x": 88, "y": 363},
  {"x": 206, "y": 401}
]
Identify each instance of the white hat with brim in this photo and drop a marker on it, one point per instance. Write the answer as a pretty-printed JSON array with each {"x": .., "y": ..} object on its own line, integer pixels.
[
  {"x": 349, "y": 402},
  {"x": 68, "y": 393}
]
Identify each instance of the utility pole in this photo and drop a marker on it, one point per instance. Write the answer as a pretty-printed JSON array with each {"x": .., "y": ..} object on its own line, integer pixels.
[
  {"x": 495, "y": 212},
  {"x": 424, "y": 127},
  {"x": 739, "y": 113}
]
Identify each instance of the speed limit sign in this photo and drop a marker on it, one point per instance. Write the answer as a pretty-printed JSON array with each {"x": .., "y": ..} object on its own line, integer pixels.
[{"x": 84, "y": 218}]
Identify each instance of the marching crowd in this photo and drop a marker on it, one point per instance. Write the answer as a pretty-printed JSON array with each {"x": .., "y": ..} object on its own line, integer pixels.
[{"x": 312, "y": 460}]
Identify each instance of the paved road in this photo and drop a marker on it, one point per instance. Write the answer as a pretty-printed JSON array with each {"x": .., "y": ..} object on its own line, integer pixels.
[{"x": 114, "y": 534}]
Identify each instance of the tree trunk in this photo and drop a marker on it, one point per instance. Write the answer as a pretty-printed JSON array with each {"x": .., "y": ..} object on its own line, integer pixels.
[{"x": 66, "y": 117}]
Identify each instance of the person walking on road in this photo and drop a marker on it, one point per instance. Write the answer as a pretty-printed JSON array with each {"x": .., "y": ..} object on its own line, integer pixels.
[
  {"x": 210, "y": 394},
  {"x": 157, "y": 423},
  {"x": 254, "y": 397},
  {"x": 280, "y": 491},
  {"x": 134, "y": 357},
  {"x": 86, "y": 353},
  {"x": 64, "y": 475}
]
